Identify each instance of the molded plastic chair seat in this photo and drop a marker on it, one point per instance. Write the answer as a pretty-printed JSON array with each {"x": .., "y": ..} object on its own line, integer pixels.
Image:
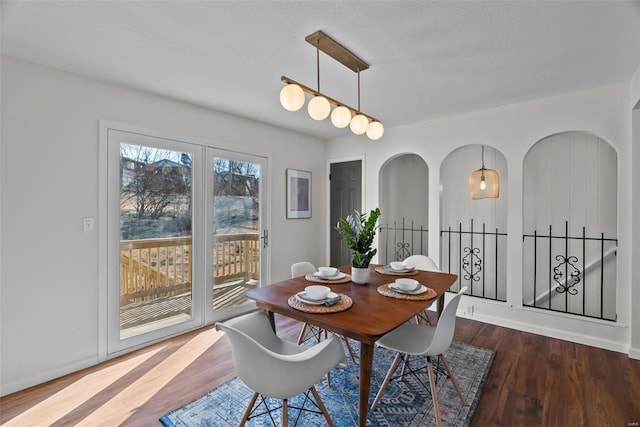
[
  {"x": 422, "y": 340},
  {"x": 276, "y": 368},
  {"x": 422, "y": 262}
]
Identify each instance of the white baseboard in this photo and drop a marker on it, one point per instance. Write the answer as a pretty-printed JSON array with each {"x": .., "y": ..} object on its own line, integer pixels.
[
  {"x": 41, "y": 377},
  {"x": 552, "y": 333},
  {"x": 634, "y": 353}
]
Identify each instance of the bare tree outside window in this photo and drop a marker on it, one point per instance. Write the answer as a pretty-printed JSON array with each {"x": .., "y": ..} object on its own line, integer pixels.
[{"x": 155, "y": 192}]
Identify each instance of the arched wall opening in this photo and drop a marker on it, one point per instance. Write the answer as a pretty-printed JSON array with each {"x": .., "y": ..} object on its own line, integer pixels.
[
  {"x": 404, "y": 207},
  {"x": 473, "y": 239},
  {"x": 570, "y": 187}
]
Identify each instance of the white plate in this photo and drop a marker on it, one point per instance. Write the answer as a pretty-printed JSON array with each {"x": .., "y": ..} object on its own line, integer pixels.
[
  {"x": 338, "y": 276},
  {"x": 404, "y": 270},
  {"x": 301, "y": 297},
  {"x": 421, "y": 290}
]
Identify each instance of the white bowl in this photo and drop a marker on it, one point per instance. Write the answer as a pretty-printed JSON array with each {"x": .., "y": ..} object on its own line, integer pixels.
[
  {"x": 327, "y": 271},
  {"x": 398, "y": 265},
  {"x": 406, "y": 284},
  {"x": 317, "y": 292}
]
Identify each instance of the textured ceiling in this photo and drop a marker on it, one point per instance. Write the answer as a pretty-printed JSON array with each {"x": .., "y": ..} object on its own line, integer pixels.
[{"x": 427, "y": 59}]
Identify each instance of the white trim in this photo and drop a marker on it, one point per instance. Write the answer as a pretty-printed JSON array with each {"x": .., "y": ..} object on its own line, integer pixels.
[
  {"x": 634, "y": 353},
  {"x": 549, "y": 332},
  {"x": 48, "y": 375}
]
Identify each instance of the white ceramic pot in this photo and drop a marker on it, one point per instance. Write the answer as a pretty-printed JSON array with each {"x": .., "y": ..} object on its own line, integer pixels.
[{"x": 360, "y": 275}]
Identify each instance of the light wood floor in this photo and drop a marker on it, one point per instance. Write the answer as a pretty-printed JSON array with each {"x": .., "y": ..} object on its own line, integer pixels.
[{"x": 534, "y": 381}]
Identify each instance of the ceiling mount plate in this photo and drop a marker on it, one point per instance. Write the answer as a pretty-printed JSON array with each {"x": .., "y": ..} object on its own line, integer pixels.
[{"x": 336, "y": 51}]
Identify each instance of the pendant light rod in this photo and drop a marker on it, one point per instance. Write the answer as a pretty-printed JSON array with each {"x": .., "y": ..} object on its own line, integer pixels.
[
  {"x": 312, "y": 92},
  {"x": 318, "y": 62},
  {"x": 337, "y": 51},
  {"x": 358, "y": 90}
]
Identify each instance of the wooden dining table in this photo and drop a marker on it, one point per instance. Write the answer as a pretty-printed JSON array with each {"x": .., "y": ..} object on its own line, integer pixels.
[{"x": 371, "y": 315}]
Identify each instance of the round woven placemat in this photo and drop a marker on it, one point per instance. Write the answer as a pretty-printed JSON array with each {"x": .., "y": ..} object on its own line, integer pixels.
[
  {"x": 342, "y": 305},
  {"x": 384, "y": 290},
  {"x": 312, "y": 278},
  {"x": 382, "y": 270}
]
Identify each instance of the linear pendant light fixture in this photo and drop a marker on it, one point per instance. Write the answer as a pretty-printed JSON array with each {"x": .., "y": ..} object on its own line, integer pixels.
[
  {"x": 292, "y": 95},
  {"x": 484, "y": 183}
]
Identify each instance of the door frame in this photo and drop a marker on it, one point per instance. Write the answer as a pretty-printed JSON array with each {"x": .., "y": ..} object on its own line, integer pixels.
[
  {"x": 363, "y": 181},
  {"x": 103, "y": 227}
]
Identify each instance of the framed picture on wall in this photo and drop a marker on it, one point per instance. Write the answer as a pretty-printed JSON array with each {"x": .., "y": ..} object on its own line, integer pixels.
[{"x": 298, "y": 194}]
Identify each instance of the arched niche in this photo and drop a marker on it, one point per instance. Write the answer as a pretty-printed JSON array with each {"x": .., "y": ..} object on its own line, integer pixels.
[
  {"x": 570, "y": 187},
  {"x": 404, "y": 207},
  {"x": 473, "y": 232}
]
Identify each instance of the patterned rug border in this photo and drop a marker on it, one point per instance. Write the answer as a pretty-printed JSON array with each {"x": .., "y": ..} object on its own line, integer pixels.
[{"x": 418, "y": 421}]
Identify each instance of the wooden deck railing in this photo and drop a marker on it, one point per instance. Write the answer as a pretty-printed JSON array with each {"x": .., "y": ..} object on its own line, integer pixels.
[{"x": 154, "y": 268}]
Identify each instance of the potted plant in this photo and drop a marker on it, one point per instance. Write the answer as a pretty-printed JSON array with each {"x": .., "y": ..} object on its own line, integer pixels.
[{"x": 358, "y": 231}]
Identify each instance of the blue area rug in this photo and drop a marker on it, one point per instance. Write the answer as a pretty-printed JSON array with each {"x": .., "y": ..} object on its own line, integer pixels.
[{"x": 406, "y": 402}]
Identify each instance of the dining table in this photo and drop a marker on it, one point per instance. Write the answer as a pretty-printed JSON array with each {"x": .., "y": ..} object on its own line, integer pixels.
[{"x": 373, "y": 311}]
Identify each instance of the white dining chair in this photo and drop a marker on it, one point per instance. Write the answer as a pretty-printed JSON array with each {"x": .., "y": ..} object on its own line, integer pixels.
[
  {"x": 422, "y": 262},
  {"x": 303, "y": 268},
  {"x": 275, "y": 368},
  {"x": 423, "y": 340}
]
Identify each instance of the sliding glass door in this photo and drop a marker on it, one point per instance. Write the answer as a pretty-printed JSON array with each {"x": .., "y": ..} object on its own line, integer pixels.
[{"x": 186, "y": 235}]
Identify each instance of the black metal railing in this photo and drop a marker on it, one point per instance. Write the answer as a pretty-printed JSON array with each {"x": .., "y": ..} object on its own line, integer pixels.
[
  {"x": 401, "y": 242},
  {"x": 478, "y": 258},
  {"x": 561, "y": 279}
]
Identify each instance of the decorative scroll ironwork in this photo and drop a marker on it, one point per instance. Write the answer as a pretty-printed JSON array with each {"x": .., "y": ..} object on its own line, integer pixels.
[
  {"x": 399, "y": 241},
  {"x": 572, "y": 272},
  {"x": 472, "y": 264},
  {"x": 403, "y": 251},
  {"x": 556, "y": 272}
]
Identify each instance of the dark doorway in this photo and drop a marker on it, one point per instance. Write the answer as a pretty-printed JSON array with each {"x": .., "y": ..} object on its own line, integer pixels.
[{"x": 346, "y": 196}]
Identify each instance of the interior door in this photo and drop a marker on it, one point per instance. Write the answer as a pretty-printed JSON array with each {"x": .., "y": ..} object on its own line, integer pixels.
[
  {"x": 237, "y": 235},
  {"x": 345, "y": 197}
]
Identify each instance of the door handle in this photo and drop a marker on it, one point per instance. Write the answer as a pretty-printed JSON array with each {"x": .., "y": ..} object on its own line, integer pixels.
[{"x": 265, "y": 238}]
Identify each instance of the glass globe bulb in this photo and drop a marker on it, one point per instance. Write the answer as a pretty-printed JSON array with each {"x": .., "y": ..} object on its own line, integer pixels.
[
  {"x": 375, "y": 130},
  {"x": 319, "y": 108},
  {"x": 359, "y": 124},
  {"x": 292, "y": 97},
  {"x": 340, "y": 117}
]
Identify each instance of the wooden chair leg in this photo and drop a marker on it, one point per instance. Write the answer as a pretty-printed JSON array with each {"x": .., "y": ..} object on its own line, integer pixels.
[
  {"x": 249, "y": 408},
  {"x": 323, "y": 408},
  {"x": 346, "y": 340},
  {"x": 404, "y": 366},
  {"x": 434, "y": 394},
  {"x": 426, "y": 316},
  {"x": 285, "y": 413},
  {"x": 453, "y": 379},
  {"x": 302, "y": 331},
  {"x": 392, "y": 369}
]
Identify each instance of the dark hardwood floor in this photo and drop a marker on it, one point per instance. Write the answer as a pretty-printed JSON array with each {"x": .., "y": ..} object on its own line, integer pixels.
[{"x": 534, "y": 381}]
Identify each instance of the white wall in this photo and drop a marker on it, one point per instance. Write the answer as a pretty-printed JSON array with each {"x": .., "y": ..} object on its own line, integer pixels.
[
  {"x": 513, "y": 130},
  {"x": 634, "y": 102},
  {"x": 49, "y": 177}
]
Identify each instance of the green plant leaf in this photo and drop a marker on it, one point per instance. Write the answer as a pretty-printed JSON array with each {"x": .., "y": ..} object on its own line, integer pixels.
[{"x": 358, "y": 231}]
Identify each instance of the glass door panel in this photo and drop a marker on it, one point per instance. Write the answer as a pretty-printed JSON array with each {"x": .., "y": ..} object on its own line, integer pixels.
[
  {"x": 155, "y": 238},
  {"x": 153, "y": 249},
  {"x": 237, "y": 230}
]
